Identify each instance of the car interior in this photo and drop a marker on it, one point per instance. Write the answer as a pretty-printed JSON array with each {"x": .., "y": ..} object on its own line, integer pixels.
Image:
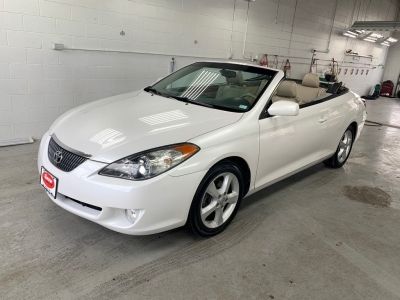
[
  {"x": 309, "y": 91},
  {"x": 240, "y": 89},
  {"x": 229, "y": 88}
]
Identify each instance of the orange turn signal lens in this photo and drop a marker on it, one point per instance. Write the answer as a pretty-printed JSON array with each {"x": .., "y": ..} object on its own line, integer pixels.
[{"x": 187, "y": 150}]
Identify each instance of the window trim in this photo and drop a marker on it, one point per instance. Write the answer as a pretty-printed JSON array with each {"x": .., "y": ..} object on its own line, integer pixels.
[
  {"x": 236, "y": 67},
  {"x": 264, "y": 114}
]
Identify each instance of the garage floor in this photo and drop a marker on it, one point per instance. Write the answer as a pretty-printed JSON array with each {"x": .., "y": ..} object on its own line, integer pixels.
[{"x": 321, "y": 234}]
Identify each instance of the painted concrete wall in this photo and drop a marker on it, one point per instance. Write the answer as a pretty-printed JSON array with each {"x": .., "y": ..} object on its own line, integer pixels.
[
  {"x": 37, "y": 83},
  {"x": 392, "y": 68}
]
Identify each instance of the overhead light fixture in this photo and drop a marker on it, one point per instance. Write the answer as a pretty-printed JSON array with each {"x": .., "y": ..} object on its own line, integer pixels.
[
  {"x": 352, "y": 32},
  {"x": 370, "y": 40},
  {"x": 391, "y": 40},
  {"x": 376, "y": 35},
  {"x": 385, "y": 44},
  {"x": 376, "y": 25},
  {"x": 349, "y": 35}
]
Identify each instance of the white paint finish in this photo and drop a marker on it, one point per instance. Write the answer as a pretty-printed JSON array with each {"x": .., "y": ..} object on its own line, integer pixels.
[
  {"x": 123, "y": 125},
  {"x": 12, "y": 55},
  {"x": 39, "y": 24},
  {"x": 4, "y": 71},
  {"x": 29, "y": 28},
  {"x": 11, "y": 21},
  {"x": 54, "y": 10},
  {"x": 3, "y": 38},
  {"x": 23, "y": 39},
  {"x": 134, "y": 117},
  {"x": 22, "y": 6},
  {"x": 70, "y": 28},
  {"x": 284, "y": 108},
  {"x": 26, "y": 71},
  {"x": 6, "y": 131},
  {"x": 83, "y": 14},
  {"x": 392, "y": 68},
  {"x": 13, "y": 86},
  {"x": 27, "y": 101},
  {"x": 5, "y": 103}
]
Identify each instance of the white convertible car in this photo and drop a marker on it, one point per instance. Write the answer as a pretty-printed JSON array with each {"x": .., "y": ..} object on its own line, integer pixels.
[{"x": 189, "y": 148}]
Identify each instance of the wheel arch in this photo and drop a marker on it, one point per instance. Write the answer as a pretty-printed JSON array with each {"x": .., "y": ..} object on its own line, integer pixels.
[
  {"x": 243, "y": 166},
  {"x": 354, "y": 126}
]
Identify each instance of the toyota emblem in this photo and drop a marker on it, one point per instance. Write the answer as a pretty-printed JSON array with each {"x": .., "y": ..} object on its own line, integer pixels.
[{"x": 58, "y": 156}]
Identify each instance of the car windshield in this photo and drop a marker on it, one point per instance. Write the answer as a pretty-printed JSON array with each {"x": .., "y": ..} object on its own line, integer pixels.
[{"x": 226, "y": 86}]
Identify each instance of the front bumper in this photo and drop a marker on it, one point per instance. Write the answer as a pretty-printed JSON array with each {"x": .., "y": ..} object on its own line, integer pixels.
[{"x": 163, "y": 202}]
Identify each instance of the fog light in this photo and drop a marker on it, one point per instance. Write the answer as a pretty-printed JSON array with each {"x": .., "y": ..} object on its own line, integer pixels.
[{"x": 132, "y": 214}]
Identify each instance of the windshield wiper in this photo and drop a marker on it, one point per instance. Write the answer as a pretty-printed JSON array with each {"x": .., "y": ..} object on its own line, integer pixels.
[
  {"x": 187, "y": 100},
  {"x": 152, "y": 90}
]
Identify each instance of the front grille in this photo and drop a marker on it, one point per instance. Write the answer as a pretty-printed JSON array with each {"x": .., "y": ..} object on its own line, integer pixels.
[{"x": 63, "y": 159}]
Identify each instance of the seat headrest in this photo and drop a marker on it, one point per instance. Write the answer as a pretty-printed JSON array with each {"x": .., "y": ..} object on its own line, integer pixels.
[
  {"x": 237, "y": 80},
  {"x": 287, "y": 89},
  {"x": 311, "y": 80}
]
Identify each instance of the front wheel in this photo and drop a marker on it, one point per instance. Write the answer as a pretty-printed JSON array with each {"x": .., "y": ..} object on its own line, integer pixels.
[
  {"x": 217, "y": 200},
  {"x": 343, "y": 150}
]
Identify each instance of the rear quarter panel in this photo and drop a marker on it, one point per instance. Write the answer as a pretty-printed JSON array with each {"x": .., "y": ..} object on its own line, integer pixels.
[{"x": 352, "y": 109}]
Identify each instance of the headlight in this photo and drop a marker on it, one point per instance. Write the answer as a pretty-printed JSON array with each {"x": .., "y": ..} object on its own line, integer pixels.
[{"x": 150, "y": 163}]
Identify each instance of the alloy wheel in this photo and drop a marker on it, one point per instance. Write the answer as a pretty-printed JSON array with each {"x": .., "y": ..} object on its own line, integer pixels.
[
  {"x": 219, "y": 200},
  {"x": 345, "y": 146}
]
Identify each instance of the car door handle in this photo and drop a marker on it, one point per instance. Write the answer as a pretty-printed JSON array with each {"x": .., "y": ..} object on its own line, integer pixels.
[{"x": 322, "y": 120}]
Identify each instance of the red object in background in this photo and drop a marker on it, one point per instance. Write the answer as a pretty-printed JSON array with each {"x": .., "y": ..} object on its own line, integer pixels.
[
  {"x": 387, "y": 88},
  {"x": 286, "y": 67},
  {"x": 264, "y": 60}
]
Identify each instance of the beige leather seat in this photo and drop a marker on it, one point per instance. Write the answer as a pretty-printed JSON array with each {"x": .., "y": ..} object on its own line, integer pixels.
[
  {"x": 309, "y": 89},
  {"x": 233, "y": 88},
  {"x": 287, "y": 90}
]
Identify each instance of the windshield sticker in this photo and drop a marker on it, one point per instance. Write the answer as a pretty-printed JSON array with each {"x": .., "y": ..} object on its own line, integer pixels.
[{"x": 243, "y": 106}]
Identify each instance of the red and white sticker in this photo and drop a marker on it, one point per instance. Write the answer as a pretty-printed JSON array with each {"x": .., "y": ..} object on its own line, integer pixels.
[{"x": 49, "y": 182}]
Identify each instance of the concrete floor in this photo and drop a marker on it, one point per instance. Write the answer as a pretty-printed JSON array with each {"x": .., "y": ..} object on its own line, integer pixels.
[{"x": 315, "y": 235}]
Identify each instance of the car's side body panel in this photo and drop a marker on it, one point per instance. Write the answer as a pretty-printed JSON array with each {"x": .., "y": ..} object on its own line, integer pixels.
[{"x": 306, "y": 139}]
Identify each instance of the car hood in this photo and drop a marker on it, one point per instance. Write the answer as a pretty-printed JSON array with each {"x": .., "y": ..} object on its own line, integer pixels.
[{"x": 115, "y": 127}]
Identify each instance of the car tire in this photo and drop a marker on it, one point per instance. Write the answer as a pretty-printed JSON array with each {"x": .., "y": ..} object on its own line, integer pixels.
[
  {"x": 217, "y": 199},
  {"x": 343, "y": 150}
]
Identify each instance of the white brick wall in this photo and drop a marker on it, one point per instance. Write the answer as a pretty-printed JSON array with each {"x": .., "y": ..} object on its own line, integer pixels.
[
  {"x": 22, "y": 6},
  {"x": 392, "y": 71},
  {"x": 37, "y": 84}
]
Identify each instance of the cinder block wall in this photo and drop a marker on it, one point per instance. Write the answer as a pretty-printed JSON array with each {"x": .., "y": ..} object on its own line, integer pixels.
[
  {"x": 37, "y": 83},
  {"x": 392, "y": 69}
]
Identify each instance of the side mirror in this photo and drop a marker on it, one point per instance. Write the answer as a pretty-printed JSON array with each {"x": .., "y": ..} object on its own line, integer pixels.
[{"x": 284, "y": 108}]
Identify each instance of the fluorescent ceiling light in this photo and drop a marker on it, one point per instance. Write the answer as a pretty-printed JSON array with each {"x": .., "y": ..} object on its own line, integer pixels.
[
  {"x": 370, "y": 40},
  {"x": 376, "y": 35},
  {"x": 349, "y": 35},
  {"x": 376, "y": 25},
  {"x": 385, "y": 44},
  {"x": 352, "y": 32},
  {"x": 391, "y": 40}
]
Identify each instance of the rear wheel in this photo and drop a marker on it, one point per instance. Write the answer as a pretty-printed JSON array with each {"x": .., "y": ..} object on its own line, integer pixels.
[
  {"x": 343, "y": 150},
  {"x": 217, "y": 200}
]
